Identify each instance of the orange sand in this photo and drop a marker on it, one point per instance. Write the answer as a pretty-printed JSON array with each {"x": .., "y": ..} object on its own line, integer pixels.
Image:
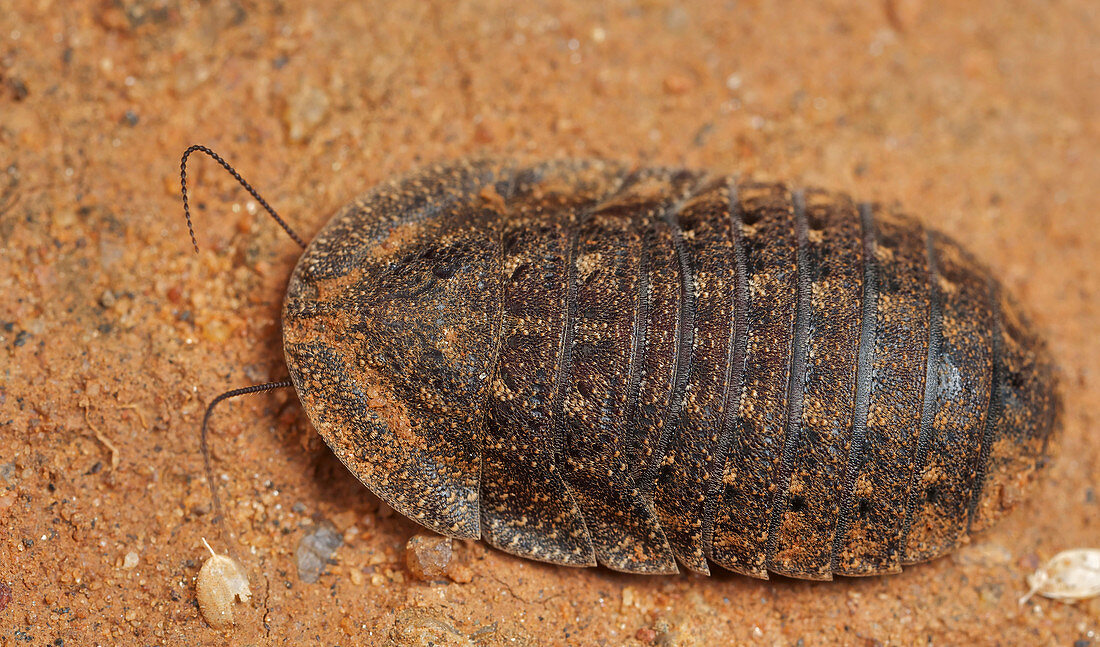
[{"x": 112, "y": 332}]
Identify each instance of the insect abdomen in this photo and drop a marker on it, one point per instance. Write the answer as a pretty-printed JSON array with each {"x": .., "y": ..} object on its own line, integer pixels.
[{"x": 643, "y": 367}]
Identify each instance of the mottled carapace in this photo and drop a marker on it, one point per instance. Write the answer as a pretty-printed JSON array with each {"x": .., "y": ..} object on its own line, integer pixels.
[{"x": 585, "y": 363}]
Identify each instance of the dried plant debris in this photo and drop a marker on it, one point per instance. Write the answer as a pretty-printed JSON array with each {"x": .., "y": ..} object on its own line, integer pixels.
[
  {"x": 418, "y": 627},
  {"x": 1071, "y": 575},
  {"x": 221, "y": 585}
]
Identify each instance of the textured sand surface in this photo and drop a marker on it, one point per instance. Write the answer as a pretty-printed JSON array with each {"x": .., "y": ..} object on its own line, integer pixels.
[{"x": 982, "y": 120}]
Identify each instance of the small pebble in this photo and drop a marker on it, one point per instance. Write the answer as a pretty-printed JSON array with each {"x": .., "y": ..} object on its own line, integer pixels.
[
  {"x": 676, "y": 84},
  {"x": 665, "y": 633},
  {"x": 130, "y": 561},
  {"x": 1070, "y": 575},
  {"x": 221, "y": 585},
  {"x": 460, "y": 574},
  {"x": 315, "y": 550},
  {"x": 1028, "y": 562},
  {"x": 428, "y": 556},
  {"x": 305, "y": 110},
  {"x": 628, "y": 598}
]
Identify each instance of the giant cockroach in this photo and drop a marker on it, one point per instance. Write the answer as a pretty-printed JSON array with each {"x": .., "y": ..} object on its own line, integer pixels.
[{"x": 584, "y": 363}]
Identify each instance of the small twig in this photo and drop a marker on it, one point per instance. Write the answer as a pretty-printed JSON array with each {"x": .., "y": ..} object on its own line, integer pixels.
[
  {"x": 134, "y": 407},
  {"x": 487, "y": 629},
  {"x": 508, "y": 588},
  {"x": 267, "y": 609},
  {"x": 101, "y": 437}
]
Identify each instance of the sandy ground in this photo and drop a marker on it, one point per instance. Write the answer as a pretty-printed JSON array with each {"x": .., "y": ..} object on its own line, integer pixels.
[{"x": 113, "y": 333}]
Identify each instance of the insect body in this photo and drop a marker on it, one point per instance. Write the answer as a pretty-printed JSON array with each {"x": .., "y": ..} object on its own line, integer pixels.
[{"x": 586, "y": 363}]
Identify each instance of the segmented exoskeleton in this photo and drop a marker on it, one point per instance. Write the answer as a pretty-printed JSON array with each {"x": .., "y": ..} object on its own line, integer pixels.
[{"x": 587, "y": 363}]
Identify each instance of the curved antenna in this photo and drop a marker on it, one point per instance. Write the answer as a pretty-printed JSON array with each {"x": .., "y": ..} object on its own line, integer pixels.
[
  {"x": 204, "y": 446},
  {"x": 236, "y": 176}
]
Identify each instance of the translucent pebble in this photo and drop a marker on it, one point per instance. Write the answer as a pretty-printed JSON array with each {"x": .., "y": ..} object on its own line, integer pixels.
[
  {"x": 428, "y": 556},
  {"x": 315, "y": 551}
]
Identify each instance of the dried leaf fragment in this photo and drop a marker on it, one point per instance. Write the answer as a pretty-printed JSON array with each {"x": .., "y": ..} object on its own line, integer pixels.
[
  {"x": 221, "y": 584},
  {"x": 425, "y": 628},
  {"x": 1070, "y": 575}
]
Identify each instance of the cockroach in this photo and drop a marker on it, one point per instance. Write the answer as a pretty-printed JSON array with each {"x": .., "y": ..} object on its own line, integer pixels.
[{"x": 586, "y": 362}]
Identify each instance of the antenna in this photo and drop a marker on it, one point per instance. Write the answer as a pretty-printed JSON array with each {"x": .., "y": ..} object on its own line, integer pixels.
[
  {"x": 236, "y": 176},
  {"x": 205, "y": 447}
]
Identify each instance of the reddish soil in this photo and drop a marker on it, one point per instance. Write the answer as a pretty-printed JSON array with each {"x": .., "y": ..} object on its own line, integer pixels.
[{"x": 113, "y": 333}]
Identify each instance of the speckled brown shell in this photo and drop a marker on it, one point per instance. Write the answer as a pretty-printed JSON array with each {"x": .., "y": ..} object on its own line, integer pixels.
[{"x": 586, "y": 363}]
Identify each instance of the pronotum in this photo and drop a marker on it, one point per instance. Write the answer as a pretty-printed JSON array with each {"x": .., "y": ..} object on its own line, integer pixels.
[{"x": 584, "y": 362}]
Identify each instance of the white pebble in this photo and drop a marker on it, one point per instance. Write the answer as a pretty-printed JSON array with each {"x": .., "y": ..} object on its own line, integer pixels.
[
  {"x": 221, "y": 585},
  {"x": 1070, "y": 575}
]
